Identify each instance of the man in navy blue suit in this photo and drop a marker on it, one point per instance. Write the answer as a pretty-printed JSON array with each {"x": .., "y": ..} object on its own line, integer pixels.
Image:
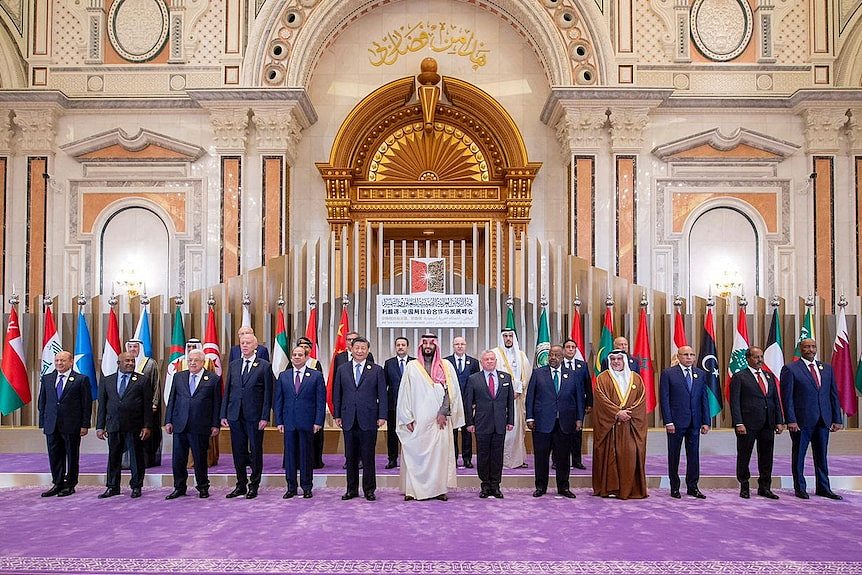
[
  {"x": 685, "y": 410},
  {"x": 300, "y": 409},
  {"x": 571, "y": 361},
  {"x": 811, "y": 411},
  {"x": 65, "y": 406},
  {"x": 245, "y": 408},
  {"x": 359, "y": 408},
  {"x": 393, "y": 368},
  {"x": 622, "y": 344},
  {"x": 192, "y": 417},
  {"x": 235, "y": 352},
  {"x": 555, "y": 410},
  {"x": 465, "y": 366}
]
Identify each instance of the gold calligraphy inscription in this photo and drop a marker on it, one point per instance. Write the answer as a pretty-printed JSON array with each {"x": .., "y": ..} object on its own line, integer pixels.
[{"x": 439, "y": 37}]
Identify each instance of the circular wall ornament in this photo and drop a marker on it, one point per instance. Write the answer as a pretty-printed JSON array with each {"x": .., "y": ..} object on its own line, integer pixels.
[
  {"x": 721, "y": 29},
  {"x": 138, "y": 29}
]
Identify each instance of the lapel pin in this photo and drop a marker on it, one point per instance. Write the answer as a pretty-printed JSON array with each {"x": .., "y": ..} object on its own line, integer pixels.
[
  {"x": 254, "y": 364},
  {"x": 134, "y": 378},
  {"x": 467, "y": 362},
  {"x": 71, "y": 378},
  {"x": 206, "y": 377},
  {"x": 565, "y": 376},
  {"x": 367, "y": 366},
  {"x": 694, "y": 375}
]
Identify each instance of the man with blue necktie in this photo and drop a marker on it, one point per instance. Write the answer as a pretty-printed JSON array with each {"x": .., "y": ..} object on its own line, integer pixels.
[
  {"x": 465, "y": 366},
  {"x": 394, "y": 369}
]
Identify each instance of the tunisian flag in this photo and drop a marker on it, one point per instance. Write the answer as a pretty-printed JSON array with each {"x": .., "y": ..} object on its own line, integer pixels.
[
  {"x": 212, "y": 354},
  {"x": 643, "y": 355},
  {"x": 340, "y": 345}
]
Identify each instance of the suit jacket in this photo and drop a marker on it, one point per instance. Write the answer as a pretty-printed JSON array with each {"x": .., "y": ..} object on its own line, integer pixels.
[
  {"x": 249, "y": 394},
  {"x": 748, "y": 405},
  {"x": 342, "y": 357},
  {"x": 72, "y": 412},
  {"x": 303, "y": 410},
  {"x": 545, "y": 405},
  {"x": 364, "y": 404},
  {"x": 197, "y": 413},
  {"x": 393, "y": 379},
  {"x": 588, "y": 384},
  {"x": 471, "y": 366},
  {"x": 489, "y": 414},
  {"x": 679, "y": 406},
  {"x": 804, "y": 403},
  {"x": 235, "y": 353},
  {"x": 129, "y": 413}
]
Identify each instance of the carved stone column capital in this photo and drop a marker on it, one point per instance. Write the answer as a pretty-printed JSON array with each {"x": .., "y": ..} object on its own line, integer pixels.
[
  {"x": 230, "y": 129},
  {"x": 627, "y": 128},
  {"x": 581, "y": 130},
  {"x": 38, "y": 129},
  {"x": 822, "y": 129},
  {"x": 5, "y": 131},
  {"x": 278, "y": 131},
  {"x": 854, "y": 130}
]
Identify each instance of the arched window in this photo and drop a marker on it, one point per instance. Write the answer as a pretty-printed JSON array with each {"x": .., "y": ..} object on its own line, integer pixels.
[
  {"x": 135, "y": 253},
  {"x": 723, "y": 253}
]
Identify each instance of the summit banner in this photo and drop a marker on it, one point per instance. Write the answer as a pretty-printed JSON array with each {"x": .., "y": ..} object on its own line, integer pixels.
[{"x": 427, "y": 310}]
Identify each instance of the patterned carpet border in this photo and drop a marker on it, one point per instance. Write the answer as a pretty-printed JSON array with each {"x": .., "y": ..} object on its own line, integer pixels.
[{"x": 39, "y": 565}]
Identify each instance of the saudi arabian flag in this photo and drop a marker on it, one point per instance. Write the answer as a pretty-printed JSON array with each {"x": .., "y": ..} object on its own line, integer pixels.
[
  {"x": 606, "y": 340},
  {"x": 280, "y": 353},
  {"x": 807, "y": 332},
  {"x": 14, "y": 386},
  {"x": 543, "y": 340}
]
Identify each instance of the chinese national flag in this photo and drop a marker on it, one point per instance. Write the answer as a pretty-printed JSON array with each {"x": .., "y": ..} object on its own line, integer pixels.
[{"x": 340, "y": 345}]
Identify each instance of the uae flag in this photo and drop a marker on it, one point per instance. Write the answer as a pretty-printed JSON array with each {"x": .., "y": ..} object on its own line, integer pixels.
[
  {"x": 737, "y": 361},
  {"x": 708, "y": 360},
  {"x": 606, "y": 340},
  {"x": 679, "y": 339},
  {"x": 842, "y": 365},
  {"x": 51, "y": 345},
  {"x": 643, "y": 355},
  {"x": 14, "y": 386},
  {"x": 111, "y": 351},
  {"x": 280, "y": 352},
  {"x": 577, "y": 333},
  {"x": 340, "y": 345}
]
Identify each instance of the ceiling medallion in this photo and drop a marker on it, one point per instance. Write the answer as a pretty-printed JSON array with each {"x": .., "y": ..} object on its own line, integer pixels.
[
  {"x": 721, "y": 29},
  {"x": 138, "y": 29}
]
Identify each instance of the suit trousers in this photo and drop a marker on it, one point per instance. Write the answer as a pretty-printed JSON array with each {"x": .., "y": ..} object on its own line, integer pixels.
[
  {"x": 818, "y": 437},
  {"x": 765, "y": 438},
  {"x": 246, "y": 444},
  {"x": 119, "y": 442},
  {"x": 64, "y": 452},
  {"x": 299, "y": 456},
  {"x": 317, "y": 454},
  {"x": 691, "y": 437},
  {"x": 392, "y": 443},
  {"x": 360, "y": 445},
  {"x": 198, "y": 444},
  {"x": 466, "y": 444},
  {"x": 489, "y": 459},
  {"x": 561, "y": 444},
  {"x": 577, "y": 446}
]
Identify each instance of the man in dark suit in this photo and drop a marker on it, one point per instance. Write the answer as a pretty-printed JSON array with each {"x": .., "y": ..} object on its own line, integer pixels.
[
  {"x": 192, "y": 417},
  {"x": 756, "y": 414},
  {"x": 65, "y": 405},
  {"x": 555, "y": 411},
  {"x": 685, "y": 411},
  {"x": 300, "y": 409},
  {"x": 313, "y": 363},
  {"x": 245, "y": 407},
  {"x": 811, "y": 411},
  {"x": 125, "y": 418},
  {"x": 571, "y": 361},
  {"x": 489, "y": 412},
  {"x": 393, "y": 368},
  {"x": 622, "y": 344},
  {"x": 465, "y": 366},
  {"x": 261, "y": 351},
  {"x": 359, "y": 408}
]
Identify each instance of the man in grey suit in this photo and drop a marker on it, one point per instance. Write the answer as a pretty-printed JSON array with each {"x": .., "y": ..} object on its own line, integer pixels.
[
  {"x": 192, "y": 417},
  {"x": 489, "y": 404}
]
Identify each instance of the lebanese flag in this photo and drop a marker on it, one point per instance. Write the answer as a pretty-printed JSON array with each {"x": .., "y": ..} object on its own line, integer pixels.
[
  {"x": 577, "y": 333},
  {"x": 212, "y": 355},
  {"x": 111, "y": 351},
  {"x": 14, "y": 386},
  {"x": 340, "y": 345},
  {"x": 311, "y": 331},
  {"x": 280, "y": 352},
  {"x": 737, "y": 361},
  {"x": 51, "y": 345},
  {"x": 643, "y": 355},
  {"x": 679, "y": 339},
  {"x": 842, "y": 365}
]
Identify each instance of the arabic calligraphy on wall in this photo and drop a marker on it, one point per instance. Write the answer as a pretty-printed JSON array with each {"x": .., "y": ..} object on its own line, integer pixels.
[{"x": 440, "y": 37}]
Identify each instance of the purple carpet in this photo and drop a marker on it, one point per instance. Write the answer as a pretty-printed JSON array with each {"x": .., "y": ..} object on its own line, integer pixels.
[{"x": 520, "y": 534}]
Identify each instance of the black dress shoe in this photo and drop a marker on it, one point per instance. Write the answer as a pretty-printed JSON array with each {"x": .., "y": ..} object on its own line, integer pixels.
[
  {"x": 56, "y": 489},
  {"x": 252, "y": 493},
  {"x": 767, "y": 493},
  {"x": 391, "y": 465},
  {"x": 744, "y": 492},
  {"x": 204, "y": 492},
  {"x": 579, "y": 465},
  {"x": 237, "y": 492},
  {"x": 406, "y": 498},
  {"x": 801, "y": 494},
  {"x": 67, "y": 491},
  {"x": 370, "y": 497},
  {"x": 136, "y": 492},
  {"x": 109, "y": 492},
  {"x": 307, "y": 494},
  {"x": 826, "y": 494},
  {"x": 442, "y": 497},
  {"x": 175, "y": 494},
  {"x": 348, "y": 496},
  {"x": 553, "y": 465},
  {"x": 566, "y": 493},
  {"x": 498, "y": 494},
  {"x": 675, "y": 494},
  {"x": 538, "y": 492},
  {"x": 484, "y": 494},
  {"x": 468, "y": 464},
  {"x": 289, "y": 494},
  {"x": 695, "y": 493}
]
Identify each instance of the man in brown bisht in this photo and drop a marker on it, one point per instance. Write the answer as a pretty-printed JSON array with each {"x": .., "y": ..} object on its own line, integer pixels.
[{"x": 620, "y": 431}]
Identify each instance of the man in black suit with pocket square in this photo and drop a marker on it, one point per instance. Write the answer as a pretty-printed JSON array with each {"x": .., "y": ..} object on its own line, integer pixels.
[
  {"x": 465, "y": 366},
  {"x": 489, "y": 412},
  {"x": 65, "y": 406},
  {"x": 393, "y": 368}
]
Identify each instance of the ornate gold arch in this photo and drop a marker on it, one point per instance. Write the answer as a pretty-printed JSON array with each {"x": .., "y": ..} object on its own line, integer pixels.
[{"x": 430, "y": 154}]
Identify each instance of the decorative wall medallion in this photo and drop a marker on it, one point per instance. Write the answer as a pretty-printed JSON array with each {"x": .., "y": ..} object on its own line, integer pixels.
[
  {"x": 721, "y": 29},
  {"x": 138, "y": 29}
]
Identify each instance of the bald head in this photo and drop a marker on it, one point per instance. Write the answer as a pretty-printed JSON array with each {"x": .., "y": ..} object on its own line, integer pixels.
[
  {"x": 686, "y": 356},
  {"x": 63, "y": 361}
]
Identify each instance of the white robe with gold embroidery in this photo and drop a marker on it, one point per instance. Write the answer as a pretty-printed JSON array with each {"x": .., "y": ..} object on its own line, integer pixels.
[{"x": 515, "y": 448}]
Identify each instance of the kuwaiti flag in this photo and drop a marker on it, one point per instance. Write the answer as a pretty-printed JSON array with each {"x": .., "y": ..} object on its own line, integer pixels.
[
  {"x": 142, "y": 333},
  {"x": 708, "y": 360},
  {"x": 14, "y": 385},
  {"x": 177, "y": 352},
  {"x": 84, "y": 354},
  {"x": 643, "y": 355},
  {"x": 51, "y": 344},
  {"x": 679, "y": 340},
  {"x": 842, "y": 365},
  {"x": 577, "y": 333},
  {"x": 111, "y": 351},
  {"x": 543, "y": 339},
  {"x": 280, "y": 352},
  {"x": 212, "y": 354},
  {"x": 737, "y": 361}
]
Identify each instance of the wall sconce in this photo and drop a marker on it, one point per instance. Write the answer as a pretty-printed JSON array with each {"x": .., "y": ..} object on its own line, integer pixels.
[{"x": 129, "y": 282}]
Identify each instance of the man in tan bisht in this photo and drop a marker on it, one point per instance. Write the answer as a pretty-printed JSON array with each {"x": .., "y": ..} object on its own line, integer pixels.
[
  {"x": 513, "y": 361},
  {"x": 619, "y": 431},
  {"x": 429, "y": 408}
]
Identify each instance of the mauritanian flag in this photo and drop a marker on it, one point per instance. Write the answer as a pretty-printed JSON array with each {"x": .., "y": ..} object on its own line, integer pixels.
[
  {"x": 14, "y": 386},
  {"x": 577, "y": 333},
  {"x": 340, "y": 345},
  {"x": 212, "y": 354},
  {"x": 311, "y": 331},
  {"x": 643, "y": 355},
  {"x": 606, "y": 340},
  {"x": 806, "y": 332},
  {"x": 708, "y": 360},
  {"x": 177, "y": 352},
  {"x": 679, "y": 339},
  {"x": 111, "y": 351},
  {"x": 51, "y": 345},
  {"x": 842, "y": 365},
  {"x": 280, "y": 351},
  {"x": 543, "y": 340},
  {"x": 737, "y": 361}
]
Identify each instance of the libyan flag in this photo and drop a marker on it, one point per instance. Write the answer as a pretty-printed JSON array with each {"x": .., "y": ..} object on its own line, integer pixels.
[
  {"x": 606, "y": 341},
  {"x": 708, "y": 361},
  {"x": 14, "y": 386}
]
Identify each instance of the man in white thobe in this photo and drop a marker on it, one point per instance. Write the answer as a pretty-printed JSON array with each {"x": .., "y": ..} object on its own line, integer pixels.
[
  {"x": 513, "y": 361},
  {"x": 429, "y": 408}
]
